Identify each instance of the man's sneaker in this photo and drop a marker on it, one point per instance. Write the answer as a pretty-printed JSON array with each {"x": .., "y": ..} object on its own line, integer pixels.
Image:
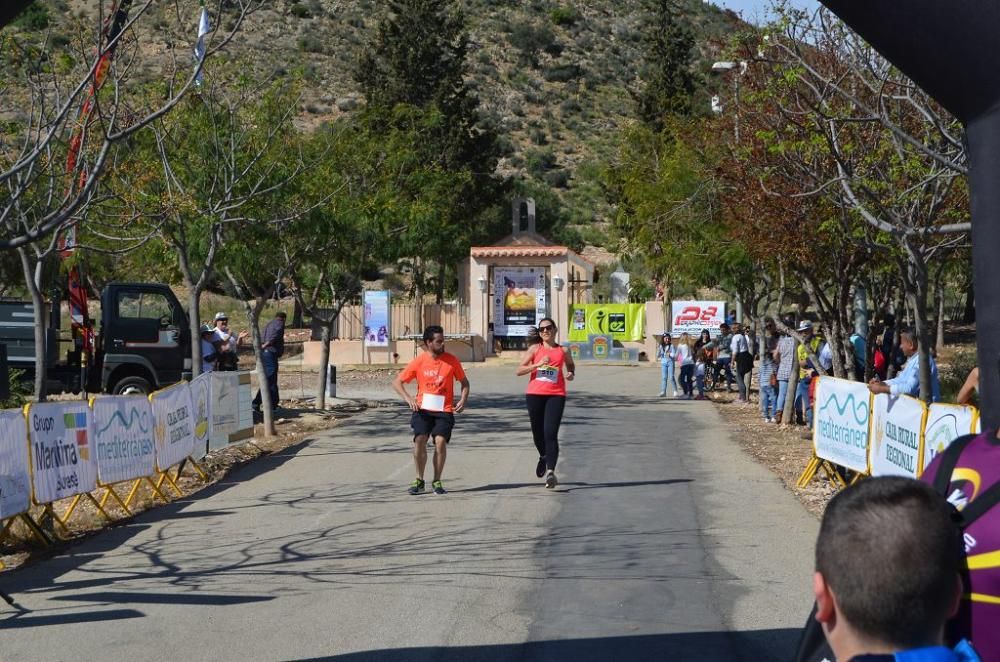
[
  {"x": 663, "y": 393},
  {"x": 550, "y": 480},
  {"x": 416, "y": 487},
  {"x": 540, "y": 467},
  {"x": 437, "y": 487}
]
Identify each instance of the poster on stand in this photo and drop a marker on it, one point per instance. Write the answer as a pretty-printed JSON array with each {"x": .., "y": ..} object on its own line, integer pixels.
[
  {"x": 15, "y": 476},
  {"x": 897, "y": 426},
  {"x": 174, "y": 433},
  {"x": 376, "y": 304},
  {"x": 201, "y": 400},
  {"x": 61, "y": 437},
  {"x": 841, "y": 417},
  {"x": 519, "y": 299},
  {"x": 945, "y": 423},
  {"x": 123, "y": 438}
]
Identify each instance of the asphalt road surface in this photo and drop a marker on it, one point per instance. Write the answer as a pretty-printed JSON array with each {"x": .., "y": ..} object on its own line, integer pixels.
[{"x": 663, "y": 541}]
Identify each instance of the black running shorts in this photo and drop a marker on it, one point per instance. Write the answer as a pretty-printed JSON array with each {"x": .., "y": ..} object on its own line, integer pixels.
[{"x": 433, "y": 423}]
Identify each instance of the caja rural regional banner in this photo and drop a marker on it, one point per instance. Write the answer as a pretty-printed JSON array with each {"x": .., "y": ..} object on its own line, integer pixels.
[
  {"x": 15, "y": 475},
  {"x": 896, "y": 428},
  {"x": 123, "y": 438},
  {"x": 841, "y": 415},
  {"x": 62, "y": 450},
  {"x": 945, "y": 423},
  {"x": 173, "y": 412},
  {"x": 694, "y": 316},
  {"x": 622, "y": 321},
  {"x": 518, "y": 299}
]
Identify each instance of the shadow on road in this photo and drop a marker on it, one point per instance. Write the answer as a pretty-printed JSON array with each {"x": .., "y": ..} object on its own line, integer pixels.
[
  {"x": 720, "y": 646},
  {"x": 572, "y": 486}
]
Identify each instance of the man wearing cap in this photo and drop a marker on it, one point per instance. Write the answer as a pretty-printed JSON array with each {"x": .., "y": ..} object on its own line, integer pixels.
[
  {"x": 803, "y": 408},
  {"x": 227, "y": 342},
  {"x": 272, "y": 346},
  {"x": 209, "y": 348}
]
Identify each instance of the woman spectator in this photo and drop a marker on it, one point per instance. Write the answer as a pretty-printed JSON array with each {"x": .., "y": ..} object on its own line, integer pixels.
[
  {"x": 667, "y": 354},
  {"x": 685, "y": 359}
]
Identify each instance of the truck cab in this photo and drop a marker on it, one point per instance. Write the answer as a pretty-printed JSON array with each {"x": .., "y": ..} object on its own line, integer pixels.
[{"x": 144, "y": 341}]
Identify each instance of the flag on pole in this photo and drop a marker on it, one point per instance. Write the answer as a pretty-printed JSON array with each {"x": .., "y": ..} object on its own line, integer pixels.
[{"x": 199, "y": 47}]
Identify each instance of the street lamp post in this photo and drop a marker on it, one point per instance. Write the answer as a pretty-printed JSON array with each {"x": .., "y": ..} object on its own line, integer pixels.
[
  {"x": 721, "y": 67},
  {"x": 558, "y": 282}
]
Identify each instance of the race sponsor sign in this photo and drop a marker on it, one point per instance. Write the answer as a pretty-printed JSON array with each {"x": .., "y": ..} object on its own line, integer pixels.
[
  {"x": 841, "y": 417},
  {"x": 173, "y": 412},
  {"x": 201, "y": 400},
  {"x": 519, "y": 299},
  {"x": 897, "y": 424},
  {"x": 123, "y": 438},
  {"x": 944, "y": 424},
  {"x": 231, "y": 412},
  {"x": 694, "y": 316},
  {"x": 376, "y": 306},
  {"x": 61, "y": 448},
  {"x": 15, "y": 475},
  {"x": 621, "y": 321}
]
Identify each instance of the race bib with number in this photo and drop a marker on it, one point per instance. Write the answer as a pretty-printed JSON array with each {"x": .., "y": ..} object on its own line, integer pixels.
[
  {"x": 430, "y": 402},
  {"x": 550, "y": 375}
]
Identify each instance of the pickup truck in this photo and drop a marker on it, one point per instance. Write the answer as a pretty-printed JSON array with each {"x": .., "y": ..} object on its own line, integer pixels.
[{"x": 143, "y": 342}]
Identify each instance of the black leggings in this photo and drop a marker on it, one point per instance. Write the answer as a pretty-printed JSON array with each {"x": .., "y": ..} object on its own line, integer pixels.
[{"x": 546, "y": 413}]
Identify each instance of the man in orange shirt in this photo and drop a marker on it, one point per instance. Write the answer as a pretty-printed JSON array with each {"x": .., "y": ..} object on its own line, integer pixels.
[{"x": 434, "y": 408}]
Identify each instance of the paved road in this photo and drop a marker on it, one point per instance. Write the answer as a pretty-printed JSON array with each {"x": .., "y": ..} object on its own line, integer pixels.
[{"x": 662, "y": 542}]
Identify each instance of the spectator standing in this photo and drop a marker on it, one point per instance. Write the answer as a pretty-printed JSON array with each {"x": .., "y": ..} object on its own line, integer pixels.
[
  {"x": 860, "y": 347},
  {"x": 784, "y": 359},
  {"x": 685, "y": 359},
  {"x": 803, "y": 408},
  {"x": 228, "y": 342},
  {"x": 699, "y": 371},
  {"x": 209, "y": 351},
  {"x": 272, "y": 347},
  {"x": 740, "y": 348},
  {"x": 724, "y": 358},
  {"x": 769, "y": 374},
  {"x": 666, "y": 354}
]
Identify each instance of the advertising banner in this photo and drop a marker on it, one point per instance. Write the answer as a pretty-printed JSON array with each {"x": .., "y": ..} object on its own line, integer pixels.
[
  {"x": 201, "y": 400},
  {"x": 15, "y": 476},
  {"x": 518, "y": 300},
  {"x": 695, "y": 316},
  {"x": 174, "y": 429},
  {"x": 945, "y": 423},
  {"x": 621, "y": 321},
  {"x": 61, "y": 435},
  {"x": 123, "y": 438},
  {"x": 897, "y": 424},
  {"x": 231, "y": 409},
  {"x": 376, "y": 318},
  {"x": 841, "y": 415}
]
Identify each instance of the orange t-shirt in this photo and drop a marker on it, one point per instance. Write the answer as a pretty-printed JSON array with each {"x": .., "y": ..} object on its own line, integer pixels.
[{"x": 436, "y": 377}]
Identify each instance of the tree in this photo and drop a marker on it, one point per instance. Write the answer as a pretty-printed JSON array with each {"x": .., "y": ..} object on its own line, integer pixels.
[{"x": 668, "y": 78}]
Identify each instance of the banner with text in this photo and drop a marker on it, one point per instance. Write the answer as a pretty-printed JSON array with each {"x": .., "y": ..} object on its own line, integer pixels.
[
  {"x": 518, "y": 299},
  {"x": 201, "y": 400},
  {"x": 15, "y": 475},
  {"x": 897, "y": 423},
  {"x": 61, "y": 435},
  {"x": 173, "y": 412},
  {"x": 376, "y": 306},
  {"x": 840, "y": 433},
  {"x": 621, "y": 321},
  {"x": 123, "y": 438},
  {"x": 695, "y": 316},
  {"x": 944, "y": 424}
]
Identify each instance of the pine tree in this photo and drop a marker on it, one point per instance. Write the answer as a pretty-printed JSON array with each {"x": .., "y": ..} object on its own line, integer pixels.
[{"x": 669, "y": 79}]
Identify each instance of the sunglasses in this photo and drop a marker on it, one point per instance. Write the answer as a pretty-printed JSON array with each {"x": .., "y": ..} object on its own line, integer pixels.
[{"x": 547, "y": 327}]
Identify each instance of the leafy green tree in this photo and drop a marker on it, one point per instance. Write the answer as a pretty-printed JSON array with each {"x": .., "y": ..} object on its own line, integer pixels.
[{"x": 667, "y": 72}]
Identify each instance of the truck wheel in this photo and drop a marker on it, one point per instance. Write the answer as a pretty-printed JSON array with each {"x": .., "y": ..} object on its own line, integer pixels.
[{"x": 133, "y": 386}]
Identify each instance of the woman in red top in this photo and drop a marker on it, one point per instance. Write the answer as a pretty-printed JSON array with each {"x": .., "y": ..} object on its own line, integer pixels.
[{"x": 550, "y": 367}]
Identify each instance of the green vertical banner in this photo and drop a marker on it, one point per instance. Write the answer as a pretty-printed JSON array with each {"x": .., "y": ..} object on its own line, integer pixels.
[{"x": 622, "y": 321}]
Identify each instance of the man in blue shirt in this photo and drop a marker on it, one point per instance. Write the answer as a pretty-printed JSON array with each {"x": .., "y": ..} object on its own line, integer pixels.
[{"x": 907, "y": 382}]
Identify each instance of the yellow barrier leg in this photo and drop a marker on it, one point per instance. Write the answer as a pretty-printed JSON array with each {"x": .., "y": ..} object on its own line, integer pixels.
[
  {"x": 65, "y": 518},
  {"x": 833, "y": 475},
  {"x": 156, "y": 488},
  {"x": 100, "y": 508},
  {"x": 166, "y": 476},
  {"x": 809, "y": 472},
  {"x": 133, "y": 492},
  {"x": 111, "y": 492},
  {"x": 197, "y": 467},
  {"x": 35, "y": 529}
]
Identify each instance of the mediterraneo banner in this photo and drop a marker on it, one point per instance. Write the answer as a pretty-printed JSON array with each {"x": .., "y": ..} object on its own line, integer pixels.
[{"x": 621, "y": 321}]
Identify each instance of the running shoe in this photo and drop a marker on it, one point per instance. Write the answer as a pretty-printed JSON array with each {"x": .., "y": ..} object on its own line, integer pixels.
[
  {"x": 540, "y": 467},
  {"x": 437, "y": 487},
  {"x": 550, "y": 480},
  {"x": 417, "y": 486}
]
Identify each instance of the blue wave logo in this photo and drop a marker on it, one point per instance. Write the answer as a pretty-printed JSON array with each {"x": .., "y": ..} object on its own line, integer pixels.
[
  {"x": 134, "y": 416},
  {"x": 849, "y": 402}
]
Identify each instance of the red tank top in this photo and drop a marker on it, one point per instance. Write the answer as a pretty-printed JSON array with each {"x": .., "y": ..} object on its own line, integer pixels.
[{"x": 550, "y": 380}]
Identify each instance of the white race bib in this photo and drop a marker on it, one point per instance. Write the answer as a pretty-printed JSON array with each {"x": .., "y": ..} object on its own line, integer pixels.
[
  {"x": 430, "y": 402},
  {"x": 549, "y": 375}
]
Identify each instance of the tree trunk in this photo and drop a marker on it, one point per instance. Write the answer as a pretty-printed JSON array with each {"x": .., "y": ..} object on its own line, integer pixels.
[
  {"x": 297, "y": 322},
  {"x": 969, "y": 315},
  {"x": 939, "y": 340},
  {"x": 32, "y": 276},
  {"x": 442, "y": 274},
  {"x": 916, "y": 283},
  {"x": 788, "y": 406},
  {"x": 326, "y": 332},
  {"x": 418, "y": 294},
  {"x": 194, "y": 324}
]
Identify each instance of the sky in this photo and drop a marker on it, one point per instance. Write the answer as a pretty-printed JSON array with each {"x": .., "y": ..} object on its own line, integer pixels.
[{"x": 756, "y": 11}]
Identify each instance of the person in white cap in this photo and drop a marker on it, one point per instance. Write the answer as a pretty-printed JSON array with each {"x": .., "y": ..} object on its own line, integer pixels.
[
  {"x": 803, "y": 408},
  {"x": 209, "y": 348},
  {"x": 227, "y": 341}
]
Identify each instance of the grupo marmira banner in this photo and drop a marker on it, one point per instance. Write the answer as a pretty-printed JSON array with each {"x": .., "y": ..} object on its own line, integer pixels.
[
  {"x": 694, "y": 316},
  {"x": 622, "y": 321},
  {"x": 840, "y": 431},
  {"x": 945, "y": 423},
  {"x": 201, "y": 400},
  {"x": 897, "y": 424},
  {"x": 61, "y": 438},
  {"x": 173, "y": 412},
  {"x": 123, "y": 438},
  {"x": 15, "y": 474}
]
